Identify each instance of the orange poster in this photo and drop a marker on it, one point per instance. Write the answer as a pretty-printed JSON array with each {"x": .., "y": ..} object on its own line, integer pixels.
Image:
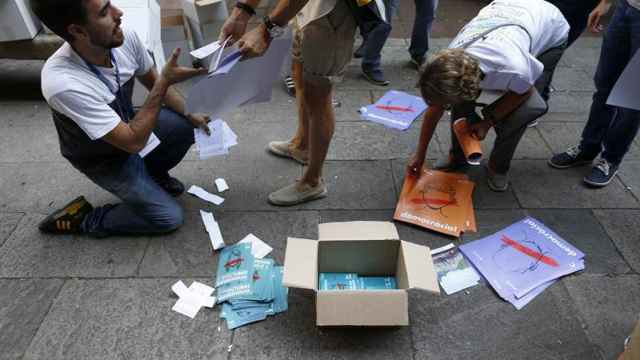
[{"x": 439, "y": 201}]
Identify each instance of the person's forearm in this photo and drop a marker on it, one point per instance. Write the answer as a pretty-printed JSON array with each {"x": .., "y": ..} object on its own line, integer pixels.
[
  {"x": 429, "y": 124},
  {"x": 174, "y": 100},
  {"x": 286, "y": 10},
  {"x": 145, "y": 120}
]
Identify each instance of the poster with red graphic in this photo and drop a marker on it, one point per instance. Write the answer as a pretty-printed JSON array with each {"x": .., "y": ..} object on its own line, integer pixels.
[
  {"x": 523, "y": 259},
  {"x": 439, "y": 201}
]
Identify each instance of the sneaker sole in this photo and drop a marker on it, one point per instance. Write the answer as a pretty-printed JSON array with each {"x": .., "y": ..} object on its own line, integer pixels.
[
  {"x": 299, "y": 201},
  {"x": 495, "y": 188},
  {"x": 580, "y": 163},
  {"x": 595, "y": 184},
  {"x": 374, "y": 82},
  {"x": 285, "y": 155}
]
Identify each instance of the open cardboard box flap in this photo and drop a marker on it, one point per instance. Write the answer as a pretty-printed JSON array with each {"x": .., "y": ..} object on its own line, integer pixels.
[
  {"x": 301, "y": 264},
  {"x": 358, "y": 230},
  {"x": 415, "y": 268}
]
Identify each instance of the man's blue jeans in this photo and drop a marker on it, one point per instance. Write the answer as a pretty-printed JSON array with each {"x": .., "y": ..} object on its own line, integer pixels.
[
  {"x": 145, "y": 208},
  {"x": 610, "y": 126},
  {"x": 425, "y": 14}
]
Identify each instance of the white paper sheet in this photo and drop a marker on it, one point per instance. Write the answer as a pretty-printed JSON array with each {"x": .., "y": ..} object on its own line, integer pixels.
[
  {"x": 212, "y": 227},
  {"x": 204, "y": 292},
  {"x": 246, "y": 80},
  {"x": 626, "y": 91},
  {"x": 206, "y": 50},
  {"x": 221, "y": 184},
  {"x": 455, "y": 281},
  {"x": 187, "y": 307},
  {"x": 218, "y": 143},
  {"x": 259, "y": 248},
  {"x": 205, "y": 195},
  {"x": 180, "y": 289},
  {"x": 152, "y": 143}
]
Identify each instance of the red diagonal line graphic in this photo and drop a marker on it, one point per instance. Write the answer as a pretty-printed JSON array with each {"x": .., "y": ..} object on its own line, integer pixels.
[
  {"x": 431, "y": 201},
  {"x": 529, "y": 252},
  {"x": 394, "y": 108}
]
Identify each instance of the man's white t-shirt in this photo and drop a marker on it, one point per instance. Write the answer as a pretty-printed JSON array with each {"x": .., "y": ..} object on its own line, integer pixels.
[
  {"x": 507, "y": 55},
  {"x": 71, "y": 88}
]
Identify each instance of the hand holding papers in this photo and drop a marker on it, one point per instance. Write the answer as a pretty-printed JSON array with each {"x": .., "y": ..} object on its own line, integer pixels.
[
  {"x": 235, "y": 83},
  {"x": 218, "y": 143}
]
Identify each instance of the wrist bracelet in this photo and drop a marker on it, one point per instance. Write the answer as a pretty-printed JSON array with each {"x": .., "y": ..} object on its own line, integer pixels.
[{"x": 246, "y": 8}]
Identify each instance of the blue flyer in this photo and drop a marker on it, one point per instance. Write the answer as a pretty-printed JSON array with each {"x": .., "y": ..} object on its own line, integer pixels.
[
  {"x": 377, "y": 283},
  {"x": 395, "y": 109},
  {"x": 235, "y": 264},
  {"x": 338, "y": 281}
]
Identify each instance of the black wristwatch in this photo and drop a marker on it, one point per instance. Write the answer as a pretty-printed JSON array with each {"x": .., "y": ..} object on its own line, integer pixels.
[
  {"x": 246, "y": 8},
  {"x": 274, "y": 30}
]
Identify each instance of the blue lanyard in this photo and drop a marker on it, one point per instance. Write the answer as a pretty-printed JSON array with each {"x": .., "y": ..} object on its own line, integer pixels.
[{"x": 118, "y": 93}]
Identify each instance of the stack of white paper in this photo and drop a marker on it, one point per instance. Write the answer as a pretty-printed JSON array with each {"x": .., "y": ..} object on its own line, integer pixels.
[
  {"x": 193, "y": 298},
  {"x": 218, "y": 143}
]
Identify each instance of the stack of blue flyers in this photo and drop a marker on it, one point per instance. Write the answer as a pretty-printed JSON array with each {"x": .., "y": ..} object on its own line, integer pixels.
[
  {"x": 250, "y": 298},
  {"x": 351, "y": 281},
  {"x": 395, "y": 109}
]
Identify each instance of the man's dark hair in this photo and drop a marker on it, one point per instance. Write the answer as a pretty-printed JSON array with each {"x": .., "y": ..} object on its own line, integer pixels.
[{"x": 57, "y": 15}]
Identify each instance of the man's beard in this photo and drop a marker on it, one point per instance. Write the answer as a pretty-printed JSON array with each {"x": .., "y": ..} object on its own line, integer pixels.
[{"x": 108, "y": 43}]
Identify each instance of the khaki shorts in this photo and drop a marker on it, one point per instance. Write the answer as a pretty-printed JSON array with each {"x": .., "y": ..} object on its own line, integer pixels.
[{"x": 325, "y": 45}]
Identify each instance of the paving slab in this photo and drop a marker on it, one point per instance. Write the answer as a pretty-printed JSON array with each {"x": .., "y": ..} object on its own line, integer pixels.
[
  {"x": 576, "y": 102},
  {"x": 356, "y": 185},
  {"x": 629, "y": 174},
  {"x": 18, "y": 144},
  {"x": 187, "y": 252},
  {"x": 24, "y": 113},
  {"x": 364, "y": 140},
  {"x": 483, "y": 197},
  {"x": 294, "y": 335},
  {"x": 126, "y": 319},
  {"x": 476, "y": 324},
  {"x": 401, "y": 77},
  {"x": 622, "y": 228},
  {"x": 8, "y": 223},
  {"x": 45, "y": 186},
  {"x": 407, "y": 232},
  {"x": 608, "y": 307},
  {"x": 552, "y": 117},
  {"x": 29, "y": 253},
  {"x": 572, "y": 79},
  {"x": 250, "y": 181},
  {"x": 560, "y": 136},
  {"x": 583, "y": 230},
  {"x": 531, "y": 146},
  {"x": 24, "y": 303},
  {"x": 583, "y": 55},
  {"x": 537, "y": 185}
]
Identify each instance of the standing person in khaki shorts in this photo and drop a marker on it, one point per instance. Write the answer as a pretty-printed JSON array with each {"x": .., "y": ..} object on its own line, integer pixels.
[{"x": 323, "y": 45}]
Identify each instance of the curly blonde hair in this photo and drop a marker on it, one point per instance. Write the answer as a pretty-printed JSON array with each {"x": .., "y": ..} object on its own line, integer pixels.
[{"x": 451, "y": 76}]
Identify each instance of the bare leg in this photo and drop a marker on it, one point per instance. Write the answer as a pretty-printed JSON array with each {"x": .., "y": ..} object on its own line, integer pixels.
[
  {"x": 321, "y": 125},
  {"x": 300, "y": 140}
]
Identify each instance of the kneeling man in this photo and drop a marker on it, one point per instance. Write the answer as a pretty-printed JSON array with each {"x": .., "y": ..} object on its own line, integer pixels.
[{"x": 88, "y": 84}]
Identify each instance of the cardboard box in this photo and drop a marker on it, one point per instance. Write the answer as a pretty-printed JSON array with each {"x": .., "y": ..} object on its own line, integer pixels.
[
  {"x": 367, "y": 248},
  {"x": 143, "y": 16},
  {"x": 17, "y": 22}
]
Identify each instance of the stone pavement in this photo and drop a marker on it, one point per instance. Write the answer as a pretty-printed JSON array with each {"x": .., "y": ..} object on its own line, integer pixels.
[{"x": 71, "y": 297}]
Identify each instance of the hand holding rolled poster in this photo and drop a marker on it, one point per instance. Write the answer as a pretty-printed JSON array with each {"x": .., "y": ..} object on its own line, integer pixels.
[{"x": 470, "y": 145}]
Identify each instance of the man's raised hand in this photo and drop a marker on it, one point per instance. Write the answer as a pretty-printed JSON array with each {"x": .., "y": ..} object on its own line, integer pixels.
[{"x": 172, "y": 73}]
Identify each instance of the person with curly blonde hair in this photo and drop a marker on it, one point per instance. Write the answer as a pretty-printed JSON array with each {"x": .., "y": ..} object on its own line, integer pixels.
[{"x": 510, "y": 49}]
